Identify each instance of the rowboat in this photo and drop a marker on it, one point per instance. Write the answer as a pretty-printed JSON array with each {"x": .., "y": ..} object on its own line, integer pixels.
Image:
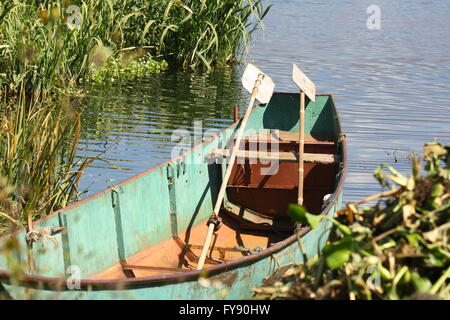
[{"x": 141, "y": 238}]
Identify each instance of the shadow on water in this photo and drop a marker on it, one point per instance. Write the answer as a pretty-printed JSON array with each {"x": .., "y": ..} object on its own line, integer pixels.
[{"x": 137, "y": 124}]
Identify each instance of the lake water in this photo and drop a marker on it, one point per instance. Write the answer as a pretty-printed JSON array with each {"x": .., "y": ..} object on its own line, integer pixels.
[{"x": 391, "y": 86}]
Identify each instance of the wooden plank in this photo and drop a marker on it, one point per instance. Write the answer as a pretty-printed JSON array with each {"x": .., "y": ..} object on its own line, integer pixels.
[
  {"x": 294, "y": 136},
  {"x": 278, "y": 135},
  {"x": 278, "y": 156}
]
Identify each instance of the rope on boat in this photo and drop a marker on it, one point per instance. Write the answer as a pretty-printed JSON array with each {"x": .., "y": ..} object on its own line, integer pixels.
[
  {"x": 247, "y": 250},
  {"x": 42, "y": 234}
]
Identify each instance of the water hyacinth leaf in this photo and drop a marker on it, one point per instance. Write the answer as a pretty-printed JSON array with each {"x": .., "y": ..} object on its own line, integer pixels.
[
  {"x": 396, "y": 177},
  {"x": 313, "y": 220},
  {"x": 337, "y": 258},
  {"x": 393, "y": 171},
  {"x": 435, "y": 259},
  {"x": 345, "y": 230},
  {"x": 298, "y": 214},
  {"x": 406, "y": 278},
  {"x": 338, "y": 253},
  {"x": 384, "y": 273},
  {"x": 380, "y": 176},
  {"x": 401, "y": 181},
  {"x": 407, "y": 241},
  {"x": 413, "y": 239},
  {"x": 421, "y": 284},
  {"x": 437, "y": 190}
]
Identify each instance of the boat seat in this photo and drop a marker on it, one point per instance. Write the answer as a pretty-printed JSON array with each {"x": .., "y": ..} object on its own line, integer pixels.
[
  {"x": 280, "y": 156},
  {"x": 287, "y": 136}
]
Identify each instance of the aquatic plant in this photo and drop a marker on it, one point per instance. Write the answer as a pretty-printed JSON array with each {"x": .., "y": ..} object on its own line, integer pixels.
[
  {"x": 399, "y": 248},
  {"x": 37, "y": 160},
  {"x": 45, "y": 47},
  {"x": 49, "y": 47},
  {"x": 116, "y": 69},
  {"x": 195, "y": 33}
]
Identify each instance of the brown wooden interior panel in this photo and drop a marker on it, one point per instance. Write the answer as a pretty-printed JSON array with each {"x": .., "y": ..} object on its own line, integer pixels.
[
  {"x": 274, "y": 202},
  {"x": 316, "y": 175},
  {"x": 270, "y": 195}
]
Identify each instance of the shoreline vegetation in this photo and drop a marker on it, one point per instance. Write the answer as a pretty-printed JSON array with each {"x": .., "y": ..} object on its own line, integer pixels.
[
  {"x": 51, "y": 51},
  {"x": 397, "y": 248}
]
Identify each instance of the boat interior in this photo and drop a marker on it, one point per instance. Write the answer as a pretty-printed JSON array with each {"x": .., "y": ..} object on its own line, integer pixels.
[{"x": 255, "y": 215}]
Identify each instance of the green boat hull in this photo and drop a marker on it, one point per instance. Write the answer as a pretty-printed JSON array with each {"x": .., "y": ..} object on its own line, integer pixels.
[{"x": 138, "y": 213}]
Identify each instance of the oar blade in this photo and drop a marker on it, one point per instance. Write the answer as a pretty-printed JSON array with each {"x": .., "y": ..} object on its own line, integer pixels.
[
  {"x": 266, "y": 87},
  {"x": 304, "y": 83}
]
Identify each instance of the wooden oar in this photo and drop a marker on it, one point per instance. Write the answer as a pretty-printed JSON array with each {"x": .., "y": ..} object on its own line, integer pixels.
[
  {"x": 261, "y": 87},
  {"x": 307, "y": 88}
]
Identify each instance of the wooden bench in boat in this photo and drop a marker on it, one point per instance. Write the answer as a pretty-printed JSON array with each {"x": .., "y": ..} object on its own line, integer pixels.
[
  {"x": 287, "y": 136},
  {"x": 258, "y": 191},
  {"x": 282, "y": 156},
  {"x": 321, "y": 143}
]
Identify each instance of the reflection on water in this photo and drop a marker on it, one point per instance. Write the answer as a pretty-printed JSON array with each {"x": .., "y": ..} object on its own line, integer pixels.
[
  {"x": 131, "y": 124},
  {"x": 391, "y": 87}
]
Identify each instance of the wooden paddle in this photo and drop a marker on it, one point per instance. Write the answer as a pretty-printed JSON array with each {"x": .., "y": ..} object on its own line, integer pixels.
[
  {"x": 261, "y": 87},
  {"x": 308, "y": 88}
]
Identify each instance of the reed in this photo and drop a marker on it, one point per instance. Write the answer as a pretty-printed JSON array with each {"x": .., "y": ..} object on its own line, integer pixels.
[
  {"x": 45, "y": 60},
  {"x": 195, "y": 33},
  {"x": 38, "y": 48},
  {"x": 37, "y": 160}
]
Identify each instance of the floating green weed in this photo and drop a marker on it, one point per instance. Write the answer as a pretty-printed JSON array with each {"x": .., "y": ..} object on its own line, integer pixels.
[
  {"x": 399, "y": 248},
  {"x": 117, "y": 70}
]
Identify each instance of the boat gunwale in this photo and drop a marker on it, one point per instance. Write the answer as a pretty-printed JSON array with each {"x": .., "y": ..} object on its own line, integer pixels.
[{"x": 37, "y": 281}]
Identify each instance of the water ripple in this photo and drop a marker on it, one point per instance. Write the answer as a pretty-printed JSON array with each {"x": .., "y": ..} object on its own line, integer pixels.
[{"x": 391, "y": 87}]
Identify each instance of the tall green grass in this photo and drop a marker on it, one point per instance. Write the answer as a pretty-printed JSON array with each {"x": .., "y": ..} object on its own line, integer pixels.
[
  {"x": 200, "y": 33},
  {"x": 37, "y": 160},
  {"x": 43, "y": 64},
  {"x": 37, "y": 47}
]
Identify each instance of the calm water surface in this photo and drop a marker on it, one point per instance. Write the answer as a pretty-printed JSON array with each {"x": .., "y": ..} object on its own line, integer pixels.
[{"x": 391, "y": 87}]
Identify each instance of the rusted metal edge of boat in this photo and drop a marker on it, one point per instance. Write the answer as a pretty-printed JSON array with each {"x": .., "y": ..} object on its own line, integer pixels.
[{"x": 281, "y": 113}]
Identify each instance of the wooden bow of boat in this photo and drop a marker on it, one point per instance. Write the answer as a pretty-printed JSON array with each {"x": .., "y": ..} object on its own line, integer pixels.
[{"x": 142, "y": 238}]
